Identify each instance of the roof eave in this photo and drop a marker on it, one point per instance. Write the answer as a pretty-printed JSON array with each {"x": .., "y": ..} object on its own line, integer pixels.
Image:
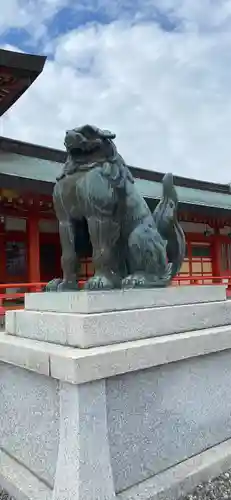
[
  {"x": 59, "y": 156},
  {"x": 24, "y": 68}
]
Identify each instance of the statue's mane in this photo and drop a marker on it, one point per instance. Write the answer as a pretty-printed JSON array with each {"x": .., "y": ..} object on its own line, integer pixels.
[{"x": 112, "y": 163}]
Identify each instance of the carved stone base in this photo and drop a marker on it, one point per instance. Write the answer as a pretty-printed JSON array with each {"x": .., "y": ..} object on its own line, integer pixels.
[
  {"x": 91, "y": 319},
  {"x": 130, "y": 420}
]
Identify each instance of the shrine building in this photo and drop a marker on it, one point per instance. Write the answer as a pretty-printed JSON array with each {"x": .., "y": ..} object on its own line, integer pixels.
[{"x": 29, "y": 240}]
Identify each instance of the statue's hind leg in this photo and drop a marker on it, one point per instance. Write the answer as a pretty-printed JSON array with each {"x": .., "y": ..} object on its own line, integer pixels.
[{"x": 147, "y": 258}]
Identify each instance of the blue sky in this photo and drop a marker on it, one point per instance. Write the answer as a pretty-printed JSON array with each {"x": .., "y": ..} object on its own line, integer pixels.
[
  {"x": 157, "y": 72},
  {"x": 66, "y": 18}
]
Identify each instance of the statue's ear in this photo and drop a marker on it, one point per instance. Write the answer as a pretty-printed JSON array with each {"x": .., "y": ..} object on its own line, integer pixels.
[
  {"x": 103, "y": 134},
  {"x": 106, "y": 134}
]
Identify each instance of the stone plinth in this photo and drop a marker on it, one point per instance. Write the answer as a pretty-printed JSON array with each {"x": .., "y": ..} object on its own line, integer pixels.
[
  {"x": 118, "y": 300},
  {"x": 89, "y": 320},
  {"x": 143, "y": 416}
]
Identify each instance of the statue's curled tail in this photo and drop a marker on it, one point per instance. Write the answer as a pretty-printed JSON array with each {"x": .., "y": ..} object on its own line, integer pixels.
[{"x": 165, "y": 217}]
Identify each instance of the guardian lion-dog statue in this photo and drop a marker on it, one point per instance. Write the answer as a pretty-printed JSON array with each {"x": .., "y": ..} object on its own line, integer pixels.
[{"x": 131, "y": 247}]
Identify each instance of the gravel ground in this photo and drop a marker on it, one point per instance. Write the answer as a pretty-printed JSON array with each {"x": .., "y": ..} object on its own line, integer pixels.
[{"x": 217, "y": 489}]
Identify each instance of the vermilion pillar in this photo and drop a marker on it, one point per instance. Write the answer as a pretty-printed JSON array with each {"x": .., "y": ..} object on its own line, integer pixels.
[
  {"x": 33, "y": 245},
  {"x": 2, "y": 253},
  {"x": 216, "y": 253}
]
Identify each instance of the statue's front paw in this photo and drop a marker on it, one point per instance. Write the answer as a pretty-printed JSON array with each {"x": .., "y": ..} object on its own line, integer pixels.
[
  {"x": 59, "y": 285},
  {"x": 52, "y": 286},
  {"x": 66, "y": 286},
  {"x": 145, "y": 281},
  {"x": 134, "y": 280},
  {"x": 99, "y": 282}
]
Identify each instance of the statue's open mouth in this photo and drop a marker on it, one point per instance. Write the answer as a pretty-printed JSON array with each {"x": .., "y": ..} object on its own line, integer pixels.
[{"x": 84, "y": 150}]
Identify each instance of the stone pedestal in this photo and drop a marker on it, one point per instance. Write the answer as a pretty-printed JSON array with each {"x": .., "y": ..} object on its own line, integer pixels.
[{"x": 115, "y": 394}]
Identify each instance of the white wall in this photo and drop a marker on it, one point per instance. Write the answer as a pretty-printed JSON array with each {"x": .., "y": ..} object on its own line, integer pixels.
[{"x": 194, "y": 227}]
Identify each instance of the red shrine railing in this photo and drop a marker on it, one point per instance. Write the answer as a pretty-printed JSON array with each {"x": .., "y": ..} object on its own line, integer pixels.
[
  {"x": 202, "y": 280},
  {"x": 15, "y": 299}
]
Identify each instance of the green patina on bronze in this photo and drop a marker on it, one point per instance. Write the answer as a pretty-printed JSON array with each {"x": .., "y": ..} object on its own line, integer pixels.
[{"x": 132, "y": 247}]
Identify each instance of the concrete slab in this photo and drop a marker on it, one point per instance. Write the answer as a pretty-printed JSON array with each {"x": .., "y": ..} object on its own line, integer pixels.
[
  {"x": 181, "y": 479},
  {"x": 78, "y": 366},
  {"x": 26, "y": 356},
  {"x": 121, "y": 420},
  {"x": 91, "y": 330},
  {"x": 96, "y": 424},
  {"x": 118, "y": 300},
  {"x": 19, "y": 482},
  {"x": 29, "y": 420}
]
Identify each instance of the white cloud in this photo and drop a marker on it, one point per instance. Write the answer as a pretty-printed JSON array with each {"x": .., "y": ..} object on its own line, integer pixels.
[
  {"x": 29, "y": 15},
  {"x": 165, "y": 94}
]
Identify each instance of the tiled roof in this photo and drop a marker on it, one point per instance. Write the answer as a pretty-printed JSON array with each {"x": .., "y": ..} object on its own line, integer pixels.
[{"x": 46, "y": 171}]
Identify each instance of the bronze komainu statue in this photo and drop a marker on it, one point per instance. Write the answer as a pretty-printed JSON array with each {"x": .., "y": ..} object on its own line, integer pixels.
[{"x": 132, "y": 247}]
